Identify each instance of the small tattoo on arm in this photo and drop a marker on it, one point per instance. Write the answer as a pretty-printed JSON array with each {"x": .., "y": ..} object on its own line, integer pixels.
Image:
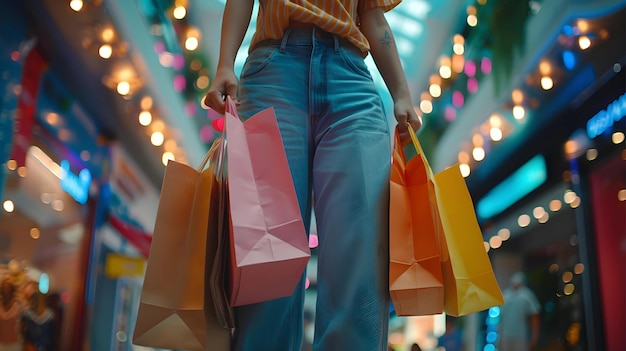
[{"x": 386, "y": 40}]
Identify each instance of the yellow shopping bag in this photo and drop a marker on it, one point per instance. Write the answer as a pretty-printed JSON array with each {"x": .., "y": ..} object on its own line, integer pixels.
[{"x": 468, "y": 279}]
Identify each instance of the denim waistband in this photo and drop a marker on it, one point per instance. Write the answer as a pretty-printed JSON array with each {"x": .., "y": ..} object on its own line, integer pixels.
[{"x": 310, "y": 36}]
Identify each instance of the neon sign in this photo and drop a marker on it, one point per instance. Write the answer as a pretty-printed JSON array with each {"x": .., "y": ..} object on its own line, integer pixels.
[
  {"x": 77, "y": 186},
  {"x": 605, "y": 119}
]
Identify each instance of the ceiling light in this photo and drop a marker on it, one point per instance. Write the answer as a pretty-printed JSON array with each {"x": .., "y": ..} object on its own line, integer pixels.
[
  {"x": 105, "y": 51},
  {"x": 569, "y": 196},
  {"x": 555, "y": 205},
  {"x": 202, "y": 82},
  {"x": 495, "y": 242},
  {"x": 191, "y": 43},
  {"x": 458, "y": 49},
  {"x": 472, "y": 20},
  {"x": 478, "y": 153},
  {"x": 617, "y": 137},
  {"x": 76, "y": 5},
  {"x": 495, "y": 134},
  {"x": 583, "y": 26},
  {"x": 544, "y": 219},
  {"x": 584, "y": 42},
  {"x": 426, "y": 106},
  {"x": 35, "y": 233},
  {"x": 517, "y": 96},
  {"x": 166, "y": 157},
  {"x": 145, "y": 118},
  {"x": 435, "y": 90},
  {"x": 523, "y": 220},
  {"x": 465, "y": 170},
  {"x": 107, "y": 34},
  {"x": 123, "y": 88},
  {"x": 519, "y": 112},
  {"x": 170, "y": 145},
  {"x": 180, "y": 12},
  {"x": 545, "y": 68},
  {"x": 463, "y": 157},
  {"x": 8, "y": 206},
  {"x": 477, "y": 140},
  {"x": 495, "y": 121},
  {"x": 445, "y": 72},
  {"x": 591, "y": 154},
  {"x": 538, "y": 212},
  {"x": 458, "y": 63},
  {"x": 547, "y": 83},
  {"x": 157, "y": 138},
  {"x": 22, "y": 171},
  {"x": 579, "y": 268},
  {"x": 146, "y": 103},
  {"x": 504, "y": 234}
]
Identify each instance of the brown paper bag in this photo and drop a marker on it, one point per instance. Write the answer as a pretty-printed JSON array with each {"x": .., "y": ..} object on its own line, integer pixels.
[{"x": 176, "y": 308}]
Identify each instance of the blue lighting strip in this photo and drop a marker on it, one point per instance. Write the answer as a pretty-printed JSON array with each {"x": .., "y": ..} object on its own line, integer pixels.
[{"x": 519, "y": 184}]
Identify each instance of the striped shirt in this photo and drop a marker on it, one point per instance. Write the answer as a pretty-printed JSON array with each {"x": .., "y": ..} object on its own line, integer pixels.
[{"x": 339, "y": 17}]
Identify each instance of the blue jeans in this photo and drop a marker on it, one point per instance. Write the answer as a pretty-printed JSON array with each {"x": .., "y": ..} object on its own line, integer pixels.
[{"x": 336, "y": 138}]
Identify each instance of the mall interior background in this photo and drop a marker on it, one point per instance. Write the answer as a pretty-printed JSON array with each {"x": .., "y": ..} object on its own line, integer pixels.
[{"x": 529, "y": 97}]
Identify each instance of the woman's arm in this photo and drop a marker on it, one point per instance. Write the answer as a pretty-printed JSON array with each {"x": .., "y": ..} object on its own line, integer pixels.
[
  {"x": 235, "y": 23},
  {"x": 383, "y": 49}
]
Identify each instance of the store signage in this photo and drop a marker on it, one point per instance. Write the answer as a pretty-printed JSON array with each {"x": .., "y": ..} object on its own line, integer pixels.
[
  {"x": 75, "y": 185},
  {"x": 605, "y": 119}
]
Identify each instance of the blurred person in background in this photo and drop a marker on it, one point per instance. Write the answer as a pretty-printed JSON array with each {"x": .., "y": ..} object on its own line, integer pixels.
[
  {"x": 519, "y": 316},
  {"x": 452, "y": 339},
  {"x": 11, "y": 308},
  {"x": 39, "y": 326}
]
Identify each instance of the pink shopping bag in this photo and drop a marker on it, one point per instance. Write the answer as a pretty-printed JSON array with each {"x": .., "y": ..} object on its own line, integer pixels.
[{"x": 269, "y": 247}]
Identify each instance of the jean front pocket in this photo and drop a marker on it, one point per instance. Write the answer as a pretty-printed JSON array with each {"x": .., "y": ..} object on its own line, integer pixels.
[
  {"x": 354, "y": 60},
  {"x": 258, "y": 59}
]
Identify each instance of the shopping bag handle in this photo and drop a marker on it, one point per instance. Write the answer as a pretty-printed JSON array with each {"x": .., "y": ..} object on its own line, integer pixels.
[
  {"x": 218, "y": 149},
  {"x": 420, "y": 151}
]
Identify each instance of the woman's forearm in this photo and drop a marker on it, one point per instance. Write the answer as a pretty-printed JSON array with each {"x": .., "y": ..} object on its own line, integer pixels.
[
  {"x": 235, "y": 23},
  {"x": 384, "y": 52}
]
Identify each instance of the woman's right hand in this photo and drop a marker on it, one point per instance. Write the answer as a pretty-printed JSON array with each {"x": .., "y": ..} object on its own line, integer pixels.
[{"x": 224, "y": 84}]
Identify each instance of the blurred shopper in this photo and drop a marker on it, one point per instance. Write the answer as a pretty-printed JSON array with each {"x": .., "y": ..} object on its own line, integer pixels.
[
  {"x": 452, "y": 339},
  {"x": 415, "y": 347},
  {"x": 11, "y": 308},
  {"x": 519, "y": 317},
  {"x": 306, "y": 60},
  {"x": 38, "y": 322}
]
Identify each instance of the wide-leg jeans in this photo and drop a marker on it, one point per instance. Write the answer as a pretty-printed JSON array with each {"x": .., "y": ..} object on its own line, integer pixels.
[{"x": 336, "y": 138}]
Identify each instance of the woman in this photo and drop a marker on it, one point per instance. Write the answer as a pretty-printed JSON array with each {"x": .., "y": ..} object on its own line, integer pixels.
[{"x": 306, "y": 61}]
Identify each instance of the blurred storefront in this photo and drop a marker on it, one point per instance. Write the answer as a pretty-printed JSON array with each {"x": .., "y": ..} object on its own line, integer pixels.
[
  {"x": 77, "y": 213},
  {"x": 568, "y": 234}
]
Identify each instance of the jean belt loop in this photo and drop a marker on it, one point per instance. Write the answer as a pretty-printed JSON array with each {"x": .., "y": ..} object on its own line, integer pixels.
[
  {"x": 283, "y": 42},
  {"x": 336, "y": 43}
]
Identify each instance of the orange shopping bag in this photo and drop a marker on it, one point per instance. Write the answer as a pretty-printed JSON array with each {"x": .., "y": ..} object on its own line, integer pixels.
[
  {"x": 415, "y": 276},
  {"x": 469, "y": 282},
  {"x": 269, "y": 247}
]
